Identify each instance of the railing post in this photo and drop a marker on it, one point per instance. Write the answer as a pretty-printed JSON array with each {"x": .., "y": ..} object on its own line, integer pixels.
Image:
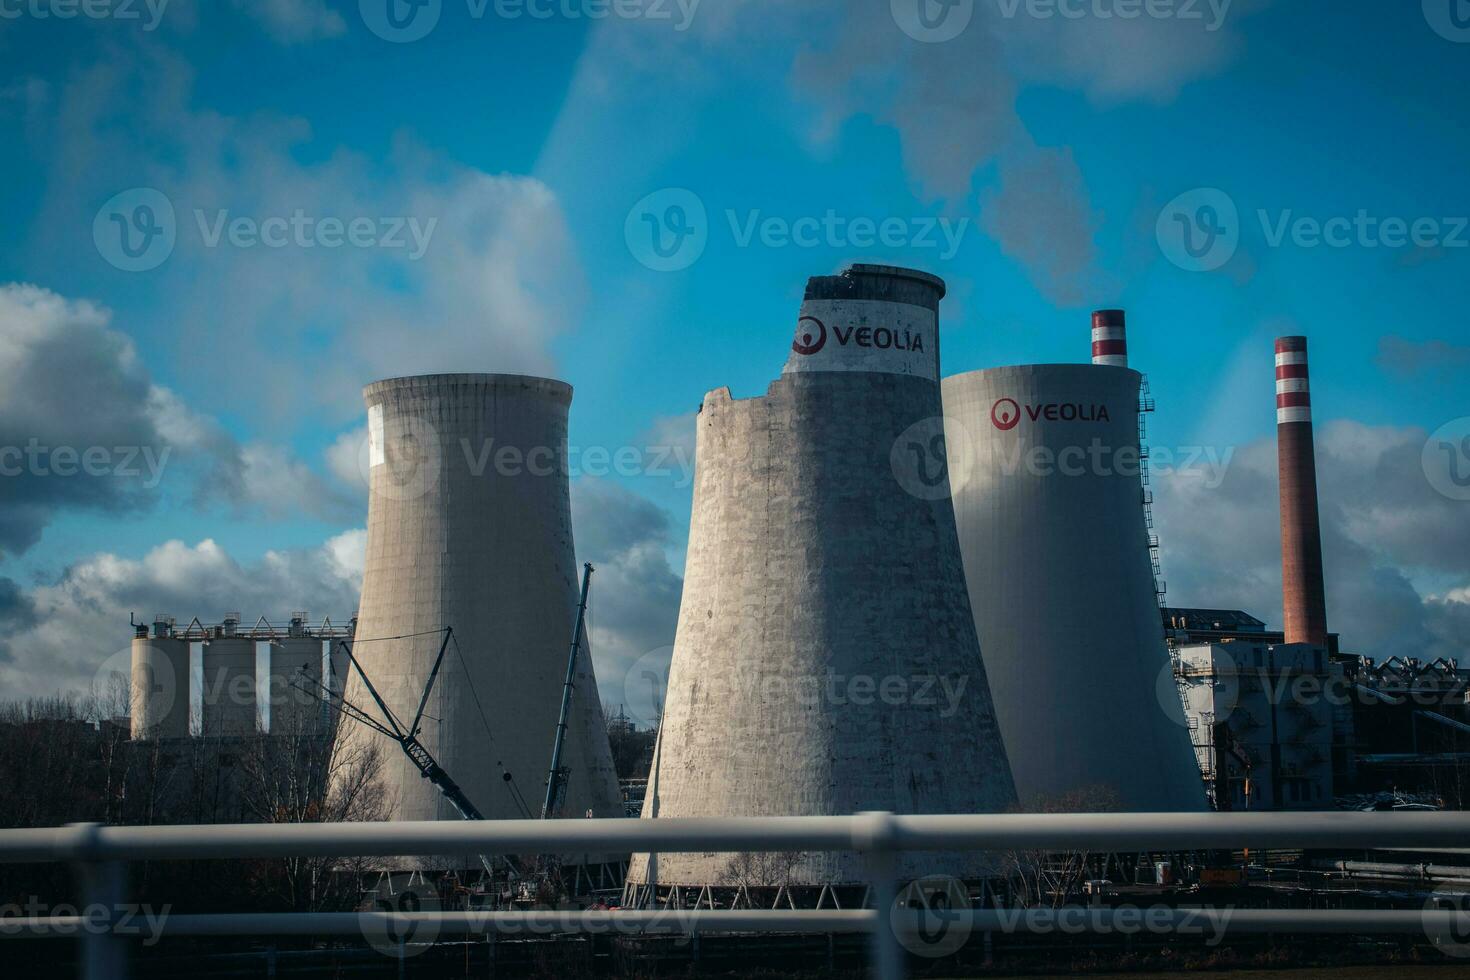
[
  {"x": 875, "y": 837},
  {"x": 100, "y": 883}
]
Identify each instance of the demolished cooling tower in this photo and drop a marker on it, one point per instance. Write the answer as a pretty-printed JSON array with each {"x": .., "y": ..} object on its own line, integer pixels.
[
  {"x": 1056, "y": 549},
  {"x": 469, "y": 527},
  {"x": 825, "y": 660}
]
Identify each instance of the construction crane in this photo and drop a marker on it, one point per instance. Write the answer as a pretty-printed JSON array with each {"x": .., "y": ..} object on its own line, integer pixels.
[
  {"x": 556, "y": 779},
  {"x": 548, "y": 872},
  {"x": 405, "y": 735}
]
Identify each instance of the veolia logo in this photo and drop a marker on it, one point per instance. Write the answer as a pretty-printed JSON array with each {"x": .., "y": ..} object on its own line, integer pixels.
[
  {"x": 1006, "y": 414},
  {"x": 806, "y": 341},
  {"x": 873, "y": 338}
]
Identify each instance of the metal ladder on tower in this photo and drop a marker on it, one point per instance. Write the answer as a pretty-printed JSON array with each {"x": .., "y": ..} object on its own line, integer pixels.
[{"x": 1145, "y": 406}]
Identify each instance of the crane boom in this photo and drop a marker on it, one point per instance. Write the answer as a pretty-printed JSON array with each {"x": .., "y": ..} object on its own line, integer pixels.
[
  {"x": 556, "y": 779},
  {"x": 406, "y": 736}
]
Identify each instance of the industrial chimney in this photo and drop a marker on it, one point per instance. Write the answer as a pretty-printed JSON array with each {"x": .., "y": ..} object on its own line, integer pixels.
[
  {"x": 1302, "y": 591},
  {"x": 469, "y": 527},
  {"x": 825, "y": 660},
  {"x": 1109, "y": 338}
]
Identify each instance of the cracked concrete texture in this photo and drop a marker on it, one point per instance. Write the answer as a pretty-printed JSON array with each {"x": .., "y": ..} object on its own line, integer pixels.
[{"x": 824, "y": 618}]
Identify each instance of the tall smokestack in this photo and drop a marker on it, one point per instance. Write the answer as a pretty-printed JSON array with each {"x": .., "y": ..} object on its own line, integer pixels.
[
  {"x": 1109, "y": 338},
  {"x": 1302, "y": 592}
]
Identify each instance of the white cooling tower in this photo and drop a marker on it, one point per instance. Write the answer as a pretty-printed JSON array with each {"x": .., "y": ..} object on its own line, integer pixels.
[
  {"x": 825, "y": 660},
  {"x": 469, "y": 527},
  {"x": 1057, "y": 557}
]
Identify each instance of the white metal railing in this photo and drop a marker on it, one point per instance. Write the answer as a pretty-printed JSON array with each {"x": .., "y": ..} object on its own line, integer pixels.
[{"x": 99, "y": 852}]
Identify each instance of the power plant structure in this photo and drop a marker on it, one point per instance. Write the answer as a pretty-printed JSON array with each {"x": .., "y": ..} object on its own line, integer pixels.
[
  {"x": 826, "y": 660},
  {"x": 229, "y": 681},
  {"x": 1304, "y": 594},
  {"x": 1257, "y": 747},
  {"x": 1062, "y": 571},
  {"x": 469, "y": 528}
]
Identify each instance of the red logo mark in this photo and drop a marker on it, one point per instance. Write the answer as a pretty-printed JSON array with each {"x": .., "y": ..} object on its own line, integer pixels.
[
  {"x": 806, "y": 342},
  {"x": 1005, "y": 413}
]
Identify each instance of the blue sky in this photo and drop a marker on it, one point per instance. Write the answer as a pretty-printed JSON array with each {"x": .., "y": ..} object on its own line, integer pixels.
[{"x": 1049, "y": 144}]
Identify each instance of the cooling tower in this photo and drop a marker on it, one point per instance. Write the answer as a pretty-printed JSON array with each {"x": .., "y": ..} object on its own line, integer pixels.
[
  {"x": 469, "y": 527},
  {"x": 1056, "y": 551},
  {"x": 825, "y": 660},
  {"x": 1303, "y": 591}
]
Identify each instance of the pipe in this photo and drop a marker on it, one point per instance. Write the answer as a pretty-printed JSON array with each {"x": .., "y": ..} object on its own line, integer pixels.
[
  {"x": 954, "y": 832},
  {"x": 1065, "y": 919}
]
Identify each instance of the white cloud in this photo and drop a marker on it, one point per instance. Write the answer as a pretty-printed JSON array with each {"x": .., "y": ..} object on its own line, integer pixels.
[
  {"x": 1112, "y": 59},
  {"x": 83, "y": 426},
  {"x": 952, "y": 105},
  {"x": 635, "y": 592},
  {"x": 80, "y": 620},
  {"x": 678, "y": 435},
  {"x": 70, "y": 385},
  {"x": 1039, "y": 216},
  {"x": 1383, "y": 529},
  {"x": 261, "y": 478},
  {"x": 303, "y": 326},
  {"x": 347, "y": 459},
  {"x": 56, "y": 635},
  {"x": 295, "y": 21}
]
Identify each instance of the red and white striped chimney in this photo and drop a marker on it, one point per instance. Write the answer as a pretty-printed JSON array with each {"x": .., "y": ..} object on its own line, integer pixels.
[
  {"x": 1109, "y": 338},
  {"x": 1303, "y": 593}
]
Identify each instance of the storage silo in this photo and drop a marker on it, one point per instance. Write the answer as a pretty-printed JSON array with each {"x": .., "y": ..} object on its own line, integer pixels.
[
  {"x": 469, "y": 527},
  {"x": 1056, "y": 548},
  {"x": 158, "y": 695},
  {"x": 825, "y": 660},
  {"x": 229, "y": 700},
  {"x": 298, "y": 664}
]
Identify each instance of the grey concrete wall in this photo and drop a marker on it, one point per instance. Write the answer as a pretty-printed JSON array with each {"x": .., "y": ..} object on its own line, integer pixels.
[
  {"x": 159, "y": 688},
  {"x": 229, "y": 689},
  {"x": 814, "y": 577},
  {"x": 469, "y": 526},
  {"x": 295, "y": 662},
  {"x": 1055, "y": 546}
]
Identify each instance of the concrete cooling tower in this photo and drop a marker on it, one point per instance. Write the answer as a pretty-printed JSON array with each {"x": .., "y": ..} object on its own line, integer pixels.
[
  {"x": 1057, "y": 556},
  {"x": 825, "y": 660},
  {"x": 469, "y": 527}
]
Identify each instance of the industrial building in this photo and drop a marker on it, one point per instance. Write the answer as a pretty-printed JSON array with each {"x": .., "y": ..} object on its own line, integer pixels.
[
  {"x": 1264, "y": 732},
  {"x": 1054, "y": 528},
  {"x": 1185, "y": 627},
  {"x": 1258, "y": 746},
  {"x": 1287, "y": 720},
  {"x": 1408, "y": 732},
  {"x": 206, "y": 680},
  {"x": 901, "y": 594},
  {"x": 469, "y": 529},
  {"x": 826, "y": 660}
]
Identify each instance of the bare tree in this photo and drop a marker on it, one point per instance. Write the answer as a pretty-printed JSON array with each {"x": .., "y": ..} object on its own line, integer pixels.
[
  {"x": 765, "y": 869},
  {"x": 300, "y": 774},
  {"x": 1050, "y": 878}
]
